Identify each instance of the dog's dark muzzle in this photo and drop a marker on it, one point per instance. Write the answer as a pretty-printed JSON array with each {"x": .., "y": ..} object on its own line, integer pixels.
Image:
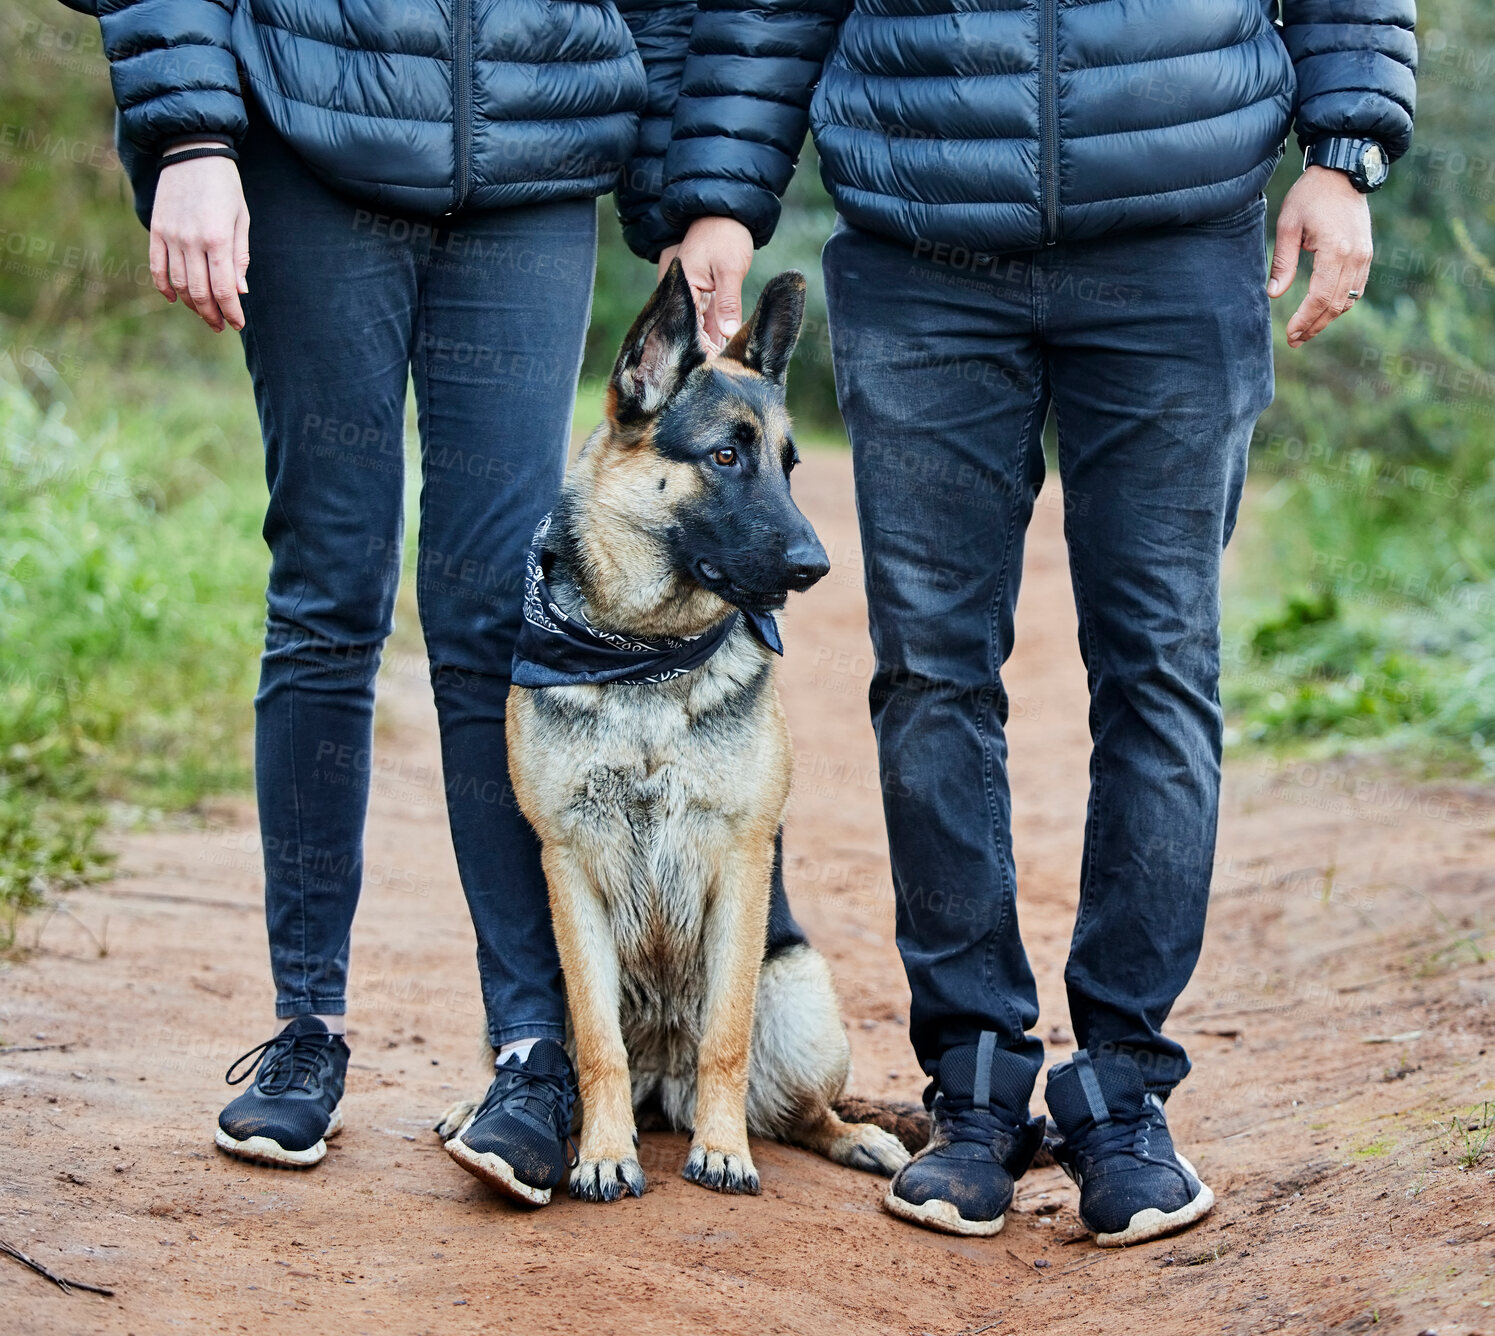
[
  {"x": 765, "y": 582},
  {"x": 804, "y": 563}
]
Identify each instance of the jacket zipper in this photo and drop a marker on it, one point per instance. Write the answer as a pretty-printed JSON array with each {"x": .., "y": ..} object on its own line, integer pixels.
[
  {"x": 462, "y": 88},
  {"x": 1048, "y": 122}
]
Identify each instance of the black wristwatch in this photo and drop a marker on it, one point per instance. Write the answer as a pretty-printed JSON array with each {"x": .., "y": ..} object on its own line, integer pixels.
[{"x": 1363, "y": 160}]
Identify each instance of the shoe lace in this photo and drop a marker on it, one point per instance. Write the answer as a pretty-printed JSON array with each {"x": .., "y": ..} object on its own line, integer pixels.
[
  {"x": 965, "y": 1123},
  {"x": 544, "y": 1098},
  {"x": 1122, "y": 1136},
  {"x": 285, "y": 1061}
]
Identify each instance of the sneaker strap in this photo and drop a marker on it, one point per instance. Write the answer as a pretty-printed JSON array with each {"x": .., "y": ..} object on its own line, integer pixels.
[
  {"x": 1090, "y": 1086},
  {"x": 985, "y": 1047}
]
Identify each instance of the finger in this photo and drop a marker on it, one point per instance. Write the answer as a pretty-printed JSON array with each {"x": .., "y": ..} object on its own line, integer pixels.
[
  {"x": 241, "y": 251},
  {"x": 1334, "y": 289},
  {"x": 223, "y": 281},
  {"x": 176, "y": 273},
  {"x": 1352, "y": 286},
  {"x": 159, "y": 275},
  {"x": 726, "y": 301},
  {"x": 1313, "y": 314},
  {"x": 711, "y": 324},
  {"x": 200, "y": 288},
  {"x": 1285, "y": 254},
  {"x": 711, "y": 345},
  {"x": 666, "y": 256},
  {"x": 700, "y": 288},
  {"x": 1354, "y": 268},
  {"x": 1358, "y": 271},
  {"x": 700, "y": 284}
]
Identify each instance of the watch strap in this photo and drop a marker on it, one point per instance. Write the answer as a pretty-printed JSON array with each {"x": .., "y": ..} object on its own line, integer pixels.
[{"x": 1343, "y": 154}]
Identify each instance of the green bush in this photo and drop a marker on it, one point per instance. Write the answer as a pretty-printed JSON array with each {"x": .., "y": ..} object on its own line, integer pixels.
[
  {"x": 1362, "y": 611},
  {"x": 130, "y": 608}
]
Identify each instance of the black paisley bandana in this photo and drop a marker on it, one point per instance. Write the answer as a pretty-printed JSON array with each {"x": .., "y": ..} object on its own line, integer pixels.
[{"x": 560, "y": 649}]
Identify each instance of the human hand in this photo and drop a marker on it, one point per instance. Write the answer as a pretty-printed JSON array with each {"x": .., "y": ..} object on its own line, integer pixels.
[
  {"x": 200, "y": 238},
  {"x": 716, "y": 256},
  {"x": 1325, "y": 214}
]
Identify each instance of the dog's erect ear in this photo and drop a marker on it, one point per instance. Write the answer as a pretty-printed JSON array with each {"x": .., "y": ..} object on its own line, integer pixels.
[
  {"x": 661, "y": 350},
  {"x": 766, "y": 343}
]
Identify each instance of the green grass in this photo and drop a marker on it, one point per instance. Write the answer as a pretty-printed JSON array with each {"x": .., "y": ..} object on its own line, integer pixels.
[
  {"x": 1469, "y": 1135},
  {"x": 130, "y": 603},
  {"x": 1316, "y": 671}
]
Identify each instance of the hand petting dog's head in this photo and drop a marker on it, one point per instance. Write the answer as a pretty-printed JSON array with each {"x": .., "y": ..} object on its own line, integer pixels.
[{"x": 696, "y": 452}]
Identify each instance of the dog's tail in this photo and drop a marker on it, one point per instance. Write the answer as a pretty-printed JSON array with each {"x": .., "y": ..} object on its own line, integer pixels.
[{"x": 910, "y": 1123}]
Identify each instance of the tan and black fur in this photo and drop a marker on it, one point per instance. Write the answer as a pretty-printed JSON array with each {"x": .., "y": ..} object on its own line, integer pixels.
[{"x": 658, "y": 805}]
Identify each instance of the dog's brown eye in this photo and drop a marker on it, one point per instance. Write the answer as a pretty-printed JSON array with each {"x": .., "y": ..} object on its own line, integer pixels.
[{"x": 726, "y": 456}]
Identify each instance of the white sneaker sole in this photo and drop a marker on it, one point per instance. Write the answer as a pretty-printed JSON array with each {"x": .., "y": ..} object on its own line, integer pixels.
[
  {"x": 1153, "y": 1223},
  {"x": 265, "y": 1150},
  {"x": 496, "y": 1172},
  {"x": 941, "y": 1215}
]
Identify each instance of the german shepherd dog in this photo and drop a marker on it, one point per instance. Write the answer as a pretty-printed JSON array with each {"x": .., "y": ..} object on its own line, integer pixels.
[{"x": 658, "y": 804}]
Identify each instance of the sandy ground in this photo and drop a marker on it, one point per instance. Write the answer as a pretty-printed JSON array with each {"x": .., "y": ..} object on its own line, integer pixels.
[{"x": 1340, "y": 1022}]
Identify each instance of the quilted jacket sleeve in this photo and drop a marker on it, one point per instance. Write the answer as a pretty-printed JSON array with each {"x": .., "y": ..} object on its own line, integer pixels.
[
  {"x": 172, "y": 69},
  {"x": 1357, "y": 64},
  {"x": 661, "y": 31},
  {"x": 743, "y": 108}
]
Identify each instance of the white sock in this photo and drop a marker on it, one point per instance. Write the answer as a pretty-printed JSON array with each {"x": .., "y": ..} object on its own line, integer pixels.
[
  {"x": 336, "y": 1024},
  {"x": 519, "y": 1046}
]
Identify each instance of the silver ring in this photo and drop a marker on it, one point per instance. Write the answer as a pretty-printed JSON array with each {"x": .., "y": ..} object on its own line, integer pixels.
[{"x": 1353, "y": 294}]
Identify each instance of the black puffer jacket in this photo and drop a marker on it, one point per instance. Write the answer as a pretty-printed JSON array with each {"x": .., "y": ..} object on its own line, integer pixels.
[
  {"x": 1001, "y": 124},
  {"x": 421, "y": 105}
]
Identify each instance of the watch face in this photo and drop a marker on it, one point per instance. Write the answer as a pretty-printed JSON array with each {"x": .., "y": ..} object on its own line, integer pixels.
[{"x": 1373, "y": 163}]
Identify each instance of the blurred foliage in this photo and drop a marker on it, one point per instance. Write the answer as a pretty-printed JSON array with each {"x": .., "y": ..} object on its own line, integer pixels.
[
  {"x": 1364, "y": 607},
  {"x": 130, "y": 586},
  {"x": 131, "y": 476},
  {"x": 131, "y": 567}
]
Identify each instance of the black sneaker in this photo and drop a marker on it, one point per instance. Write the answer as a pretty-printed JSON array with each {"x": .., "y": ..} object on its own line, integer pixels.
[
  {"x": 1133, "y": 1185},
  {"x": 517, "y": 1139},
  {"x": 981, "y": 1140},
  {"x": 285, "y": 1117}
]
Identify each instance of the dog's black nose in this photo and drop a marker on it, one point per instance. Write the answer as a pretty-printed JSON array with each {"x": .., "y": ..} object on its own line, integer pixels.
[{"x": 806, "y": 562}]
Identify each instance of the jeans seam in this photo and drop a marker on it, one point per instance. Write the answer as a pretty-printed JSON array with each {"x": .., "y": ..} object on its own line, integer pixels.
[
  {"x": 1097, "y": 774},
  {"x": 1009, "y": 890},
  {"x": 290, "y": 689},
  {"x": 421, "y": 366},
  {"x": 311, "y": 1006}
]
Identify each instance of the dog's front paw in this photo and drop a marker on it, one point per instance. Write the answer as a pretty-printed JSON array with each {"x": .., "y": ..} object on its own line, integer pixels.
[
  {"x": 721, "y": 1170},
  {"x": 607, "y": 1180},
  {"x": 868, "y": 1147},
  {"x": 455, "y": 1118}
]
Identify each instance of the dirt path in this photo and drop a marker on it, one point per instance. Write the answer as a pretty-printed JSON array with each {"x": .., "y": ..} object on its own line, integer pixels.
[{"x": 1347, "y": 908}]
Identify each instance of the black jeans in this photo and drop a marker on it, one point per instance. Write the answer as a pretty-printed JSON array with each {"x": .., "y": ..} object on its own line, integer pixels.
[
  {"x": 488, "y": 313},
  {"x": 1154, "y": 350}
]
